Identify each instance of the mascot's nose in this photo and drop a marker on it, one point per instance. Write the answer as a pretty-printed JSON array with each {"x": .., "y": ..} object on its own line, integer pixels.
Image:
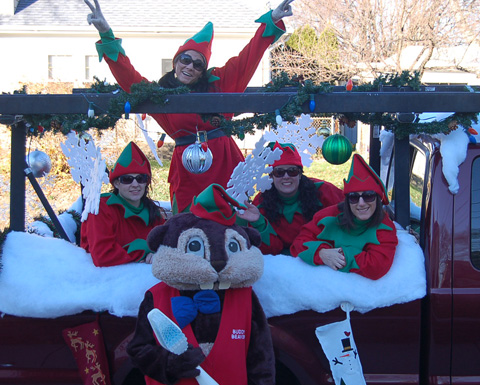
[{"x": 218, "y": 265}]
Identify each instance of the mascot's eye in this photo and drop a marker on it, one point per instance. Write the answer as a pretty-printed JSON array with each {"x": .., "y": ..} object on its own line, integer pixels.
[
  {"x": 195, "y": 246},
  {"x": 233, "y": 246}
]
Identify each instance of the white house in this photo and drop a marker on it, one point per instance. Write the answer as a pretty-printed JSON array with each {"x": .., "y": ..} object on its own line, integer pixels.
[{"x": 50, "y": 40}]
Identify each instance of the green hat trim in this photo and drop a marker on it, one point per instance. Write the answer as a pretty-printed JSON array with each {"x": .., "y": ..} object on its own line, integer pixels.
[
  {"x": 125, "y": 157},
  {"x": 204, "y": 35}
]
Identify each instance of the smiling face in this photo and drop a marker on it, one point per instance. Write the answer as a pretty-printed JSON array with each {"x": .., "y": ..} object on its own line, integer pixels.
[
  {"x": 363, "y": 210},
  {"x": 132, "y": 192},
  {"x": 186, "y": 73},
  {"x": 287, "y": 186}
]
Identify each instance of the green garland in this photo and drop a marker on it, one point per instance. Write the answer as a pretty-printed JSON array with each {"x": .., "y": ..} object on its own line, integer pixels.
[
  {"x": 305, "y": 90},
  {"x": 76, "y": 217},
  {"x": 65, "y": 123}
]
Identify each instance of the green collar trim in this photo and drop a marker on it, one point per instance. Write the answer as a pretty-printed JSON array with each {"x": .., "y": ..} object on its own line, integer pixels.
[
  {"x": 130, "y": 211},
  {"x": 212, "y": 78},
  {"x": 291, "y": 205}
]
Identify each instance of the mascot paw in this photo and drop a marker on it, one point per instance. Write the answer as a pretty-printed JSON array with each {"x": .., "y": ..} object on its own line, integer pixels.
[{"x": 185, "y": 364}]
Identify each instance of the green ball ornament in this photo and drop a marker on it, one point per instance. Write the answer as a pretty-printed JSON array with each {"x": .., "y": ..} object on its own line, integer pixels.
[{"x": 337, "y": 149}]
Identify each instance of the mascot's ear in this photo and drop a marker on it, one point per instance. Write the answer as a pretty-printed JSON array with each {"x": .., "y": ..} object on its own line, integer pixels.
[
  {"x": 155, "y": 237},
  {"x": 254, "y": 236}
]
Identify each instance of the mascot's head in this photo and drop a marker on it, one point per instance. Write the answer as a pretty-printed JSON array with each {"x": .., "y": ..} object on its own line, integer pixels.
[{"x": 205, "y": 249}]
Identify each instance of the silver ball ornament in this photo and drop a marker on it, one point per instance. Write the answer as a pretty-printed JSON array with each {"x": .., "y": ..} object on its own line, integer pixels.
[
  {"x": 195, "y": 159},
  {"x": 40, "y": 163}
]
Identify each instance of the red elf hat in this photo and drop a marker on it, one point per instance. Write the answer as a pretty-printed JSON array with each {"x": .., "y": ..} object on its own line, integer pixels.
[
  {"x": 215, "y": 204},
  {"x": 290, "y": 154},
  {"x": 131, "y": 161},
  {"x": 363, "y": 178},
  {"x": 200, "y": 42}
]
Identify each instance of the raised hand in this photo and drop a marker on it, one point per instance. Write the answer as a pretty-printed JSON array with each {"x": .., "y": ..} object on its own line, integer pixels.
[
  {"x": 251, "y": 214},
  {"x": 283, "y": 10},
  {"x": 96, "y": 17}
]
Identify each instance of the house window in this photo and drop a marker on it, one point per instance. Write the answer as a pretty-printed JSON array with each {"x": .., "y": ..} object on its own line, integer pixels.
[
  {"x": 91, "y": 64},
  {"x": 60, "y": 67},
  {"x": 475, "y": 215},
  {"x": 166, "y": 66}
]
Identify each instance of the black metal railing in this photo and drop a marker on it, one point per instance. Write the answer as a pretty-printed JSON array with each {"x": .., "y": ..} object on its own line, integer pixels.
[{"x": 388, "y": 99}]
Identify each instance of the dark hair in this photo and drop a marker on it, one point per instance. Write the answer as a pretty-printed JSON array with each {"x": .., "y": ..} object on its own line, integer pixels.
[
  {"x": 346, "y": 217},
  {"x": 309, "y": 202},
  {"x": 170, "y": 81},
  {"x": 154, "y": 211}
]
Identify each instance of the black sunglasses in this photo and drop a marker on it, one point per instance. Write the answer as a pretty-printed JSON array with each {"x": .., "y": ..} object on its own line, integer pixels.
[
  {"x": 367, "y": 196},
  {"x": 280, "y": 172},
  {"x": 186, "y": 59},
  {"x": 128, "y": 179}
]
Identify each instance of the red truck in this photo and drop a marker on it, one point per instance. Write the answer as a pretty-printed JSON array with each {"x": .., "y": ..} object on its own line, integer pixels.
[{"x": 432, "y": 340}]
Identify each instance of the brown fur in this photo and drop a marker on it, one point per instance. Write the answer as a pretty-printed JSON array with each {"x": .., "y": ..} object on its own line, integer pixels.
[{"x": 228, "y": 258}]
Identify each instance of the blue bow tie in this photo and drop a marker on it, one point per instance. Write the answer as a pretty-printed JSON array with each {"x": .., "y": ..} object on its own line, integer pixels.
[{"x": 185, "y": 309}]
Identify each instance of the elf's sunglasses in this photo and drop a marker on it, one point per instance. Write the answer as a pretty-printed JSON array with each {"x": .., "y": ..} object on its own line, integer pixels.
[
  {"x": 280, "y": 172},
  {"x": 128, "y": 179},
  {"x": 367, "y": 196},
  {"x": 186, "y": 59}
]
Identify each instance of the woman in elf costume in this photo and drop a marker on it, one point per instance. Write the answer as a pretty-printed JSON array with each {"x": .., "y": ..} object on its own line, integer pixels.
[
  {"x": 118, "y": 233},
  {"x": 280, "y": 212},
  {"x": 190, "y": 68},
  {"x": 356, "y": 235}
]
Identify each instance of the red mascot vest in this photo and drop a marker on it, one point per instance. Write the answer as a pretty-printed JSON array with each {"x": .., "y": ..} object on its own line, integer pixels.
[{"x": 227, "y": 361}]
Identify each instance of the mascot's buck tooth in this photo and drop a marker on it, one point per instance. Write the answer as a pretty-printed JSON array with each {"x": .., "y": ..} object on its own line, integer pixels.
[{"x": 207, "y": 265}]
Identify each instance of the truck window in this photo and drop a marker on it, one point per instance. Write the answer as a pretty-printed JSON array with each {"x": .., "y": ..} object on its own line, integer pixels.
[
  {"x": 417, "y": 185},
  {"x": 475, "y": 215},
  {"x": 417, "y": 179}
]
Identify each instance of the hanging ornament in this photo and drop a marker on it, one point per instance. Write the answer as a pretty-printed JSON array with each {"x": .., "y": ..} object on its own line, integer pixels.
[
  {"x": 336, "y": 149},
  {"x": 39, "y": 162},
  {"x": 241, "y": 134},
  {"x": 349, "y": 85},
  {"x": 127, "y": 109},
  {"x": 91, "y": 111},
  {"x": 323, "y": 131},
  {"x": 311, "y": 106},
  {"x": 161, "y": 140},
  {"x": 278, "y": 117},
  {"x": 40, "y": 128},
  {"x": 196, "y": 159}
]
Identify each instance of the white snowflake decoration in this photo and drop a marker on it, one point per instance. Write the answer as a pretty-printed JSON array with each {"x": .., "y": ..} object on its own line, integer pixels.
[
  {"x": 88, "y": 168},
  {"x": 302, "y": 134},
  {"x": 253, "y": 174},
  {"x": 151, "y": 143}
]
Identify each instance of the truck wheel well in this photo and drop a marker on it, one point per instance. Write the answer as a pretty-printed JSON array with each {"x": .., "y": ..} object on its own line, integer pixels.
[
  {"x": 134, "y": 377},
  {"x": 284, "y": 376}
]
